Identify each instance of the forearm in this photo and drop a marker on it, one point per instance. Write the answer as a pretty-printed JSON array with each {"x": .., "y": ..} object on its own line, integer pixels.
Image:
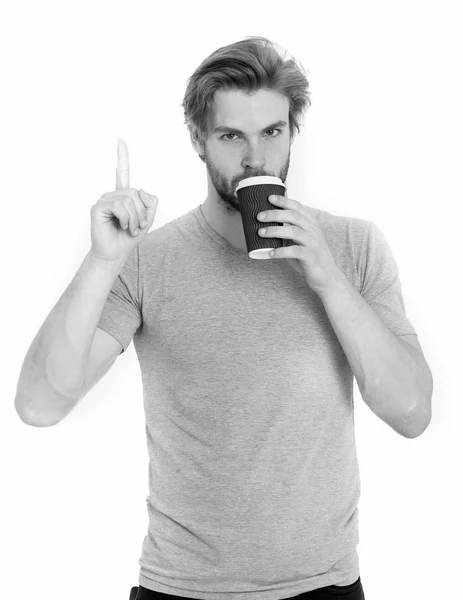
[
  {"x": 53, "y": 370},
  {"x": 393, "y": 379}
]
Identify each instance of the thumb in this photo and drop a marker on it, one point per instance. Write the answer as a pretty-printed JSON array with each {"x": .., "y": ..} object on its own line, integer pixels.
[{"x": 152, "y": 204}]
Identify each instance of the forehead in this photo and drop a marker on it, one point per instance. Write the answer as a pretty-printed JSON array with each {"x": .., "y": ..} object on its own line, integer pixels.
[{"x": 237, "y": 108}]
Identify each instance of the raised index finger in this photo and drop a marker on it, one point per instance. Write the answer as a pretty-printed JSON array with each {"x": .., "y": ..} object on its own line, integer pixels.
[{"x": 123, "y": 168}]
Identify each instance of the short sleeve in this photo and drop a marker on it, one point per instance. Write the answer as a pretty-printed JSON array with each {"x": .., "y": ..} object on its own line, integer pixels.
[
  {"x": 121, "y": 316},
  {"x": 379, "y": 281}
]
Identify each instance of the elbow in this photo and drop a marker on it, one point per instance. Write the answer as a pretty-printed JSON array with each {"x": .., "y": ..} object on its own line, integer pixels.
[
  {"x": 19, "y": 406},
  {"x": 407, "y": 422},
  {"x": 417, "y": 429},
  {"x": 31, "y": 415},
  {"x": 34, "y": 421},
  {"x": 419, "y": 419}
]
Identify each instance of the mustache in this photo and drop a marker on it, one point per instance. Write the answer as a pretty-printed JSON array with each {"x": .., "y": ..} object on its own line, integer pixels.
[{"x": 254, "y": 175}]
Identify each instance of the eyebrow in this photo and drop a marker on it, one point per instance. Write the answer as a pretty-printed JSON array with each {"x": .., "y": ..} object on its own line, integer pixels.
[{"x": 224, "y": 129}]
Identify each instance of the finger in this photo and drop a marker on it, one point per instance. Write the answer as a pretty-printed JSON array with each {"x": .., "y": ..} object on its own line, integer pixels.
[{"x": 123, "y": 168}]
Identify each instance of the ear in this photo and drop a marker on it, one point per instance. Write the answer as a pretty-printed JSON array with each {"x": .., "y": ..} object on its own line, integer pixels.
[{"x": 198, "y": 147}]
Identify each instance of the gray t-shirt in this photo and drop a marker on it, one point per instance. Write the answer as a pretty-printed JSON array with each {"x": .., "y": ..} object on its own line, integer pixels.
[{"x": 248, "y": 398}]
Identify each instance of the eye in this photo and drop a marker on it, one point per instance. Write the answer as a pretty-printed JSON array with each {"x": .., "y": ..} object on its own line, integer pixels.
[{"x": 229, "y": 140}]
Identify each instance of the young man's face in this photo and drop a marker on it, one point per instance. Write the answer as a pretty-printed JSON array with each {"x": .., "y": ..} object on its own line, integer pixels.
[{"x": 263, "y": 147}]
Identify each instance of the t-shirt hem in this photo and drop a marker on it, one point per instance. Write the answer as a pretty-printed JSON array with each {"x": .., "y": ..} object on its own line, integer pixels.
[
  {"x": 275, "y": 594},
  {"x": 107, "y": 326}
]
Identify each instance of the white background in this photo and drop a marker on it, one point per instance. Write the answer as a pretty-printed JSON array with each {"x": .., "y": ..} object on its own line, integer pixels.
[{"x": 382, "y": 141}]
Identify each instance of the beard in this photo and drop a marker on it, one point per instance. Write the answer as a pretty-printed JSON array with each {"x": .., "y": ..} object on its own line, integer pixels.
[{"x": 226, "y": 189}]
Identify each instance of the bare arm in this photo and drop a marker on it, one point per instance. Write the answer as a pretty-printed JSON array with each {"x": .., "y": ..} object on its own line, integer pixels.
[{"x": 53, "y": 372}]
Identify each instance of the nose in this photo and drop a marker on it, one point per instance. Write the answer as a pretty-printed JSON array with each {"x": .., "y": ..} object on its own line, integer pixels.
[
  {"x": 254, "y": 160},
  {"x": 255, "y": 166}
]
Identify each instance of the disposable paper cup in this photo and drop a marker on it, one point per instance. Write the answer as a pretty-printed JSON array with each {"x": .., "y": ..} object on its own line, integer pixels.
[{"x": 253, "y": 194}]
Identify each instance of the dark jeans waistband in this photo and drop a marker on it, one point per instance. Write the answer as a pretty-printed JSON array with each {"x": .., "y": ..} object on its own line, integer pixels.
[{"x": 353, "y": 591}]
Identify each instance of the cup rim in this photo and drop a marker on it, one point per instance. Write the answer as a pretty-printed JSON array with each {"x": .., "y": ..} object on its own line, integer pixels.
[{"x": 259, "y": 180}]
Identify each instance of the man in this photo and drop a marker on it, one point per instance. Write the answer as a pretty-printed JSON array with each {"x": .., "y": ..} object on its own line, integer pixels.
[{"x": 248, "y": 365}]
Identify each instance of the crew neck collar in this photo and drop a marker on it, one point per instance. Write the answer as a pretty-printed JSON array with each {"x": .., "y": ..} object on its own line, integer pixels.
[{"x": 218, "y": 238}]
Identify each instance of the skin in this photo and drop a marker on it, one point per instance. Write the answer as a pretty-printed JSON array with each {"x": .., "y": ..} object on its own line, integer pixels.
[{"x": 235, "y": 157}]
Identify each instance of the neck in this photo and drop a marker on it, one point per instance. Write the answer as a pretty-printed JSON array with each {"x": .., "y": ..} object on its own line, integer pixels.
[{"x": 227, "y": 225}]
